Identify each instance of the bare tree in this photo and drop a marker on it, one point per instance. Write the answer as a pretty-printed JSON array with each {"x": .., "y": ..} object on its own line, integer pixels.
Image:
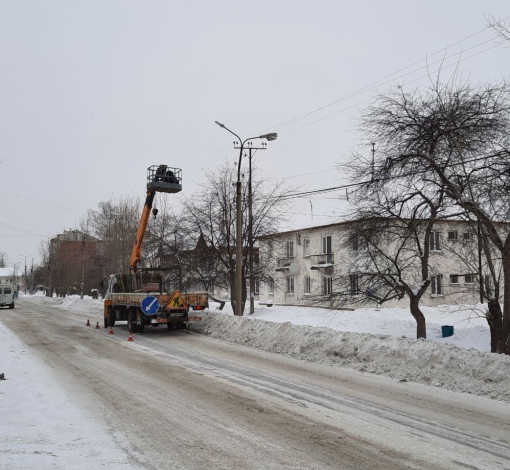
[
  {"x": 501, "y": 27},
  {"x": 456, "y": 138},
  {"x": 391, "y": 238},
  {"x": 210, "y": 216},
  {"x": 3, "y": 259},
  {"x": 114, "y": 223}
]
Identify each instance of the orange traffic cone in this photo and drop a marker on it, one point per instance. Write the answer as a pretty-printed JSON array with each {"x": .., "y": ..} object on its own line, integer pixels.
[
  {"x": 88, "y": 322},
  {"x": 130, "y": 336},
  {"x": 97, "y": 326},
  {"x": 111, "y": 331}
]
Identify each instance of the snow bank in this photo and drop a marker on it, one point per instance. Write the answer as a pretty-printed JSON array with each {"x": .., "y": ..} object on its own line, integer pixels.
[
  {"x": 440, "y": 365},
  {"x": 86, "y": 306},
  {"x": 358, "y": 340}
]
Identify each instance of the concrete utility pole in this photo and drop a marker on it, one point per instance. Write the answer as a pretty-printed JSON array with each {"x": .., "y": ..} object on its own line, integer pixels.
[
  {"x": 250, "y": 228},
  {"x": 239, "y": 217},
  {"x": 27, "y": 256}
]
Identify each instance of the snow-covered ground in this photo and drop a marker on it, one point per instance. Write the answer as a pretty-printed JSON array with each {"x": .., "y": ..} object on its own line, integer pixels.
[
  {"x": 35, "y": 409},
  {"x": 369, "y": 340}
]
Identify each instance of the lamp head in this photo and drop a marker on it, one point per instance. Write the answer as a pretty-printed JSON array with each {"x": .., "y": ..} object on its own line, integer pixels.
[
  {"x": 219, "y": 124},
  {"x": 271, "y": 136}
]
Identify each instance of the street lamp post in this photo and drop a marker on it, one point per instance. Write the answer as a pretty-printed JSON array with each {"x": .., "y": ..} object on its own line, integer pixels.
[
  {"x": 250, "y": 227},
  {"x": 32, "y": 276},
  {"x": 15, "y": 273},
  {"x": 27, "y": 256},
  {"x": 239, "y": 220}
]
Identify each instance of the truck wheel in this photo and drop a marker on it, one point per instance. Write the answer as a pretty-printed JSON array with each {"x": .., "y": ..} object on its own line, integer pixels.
[
  {"x": 140, "y": 327},
  {"x": 11, "y": 305},
  {"x": 105, "y": 322},
  {"x": 111, "y": 317},
  {"x": 132, "y": 326}
]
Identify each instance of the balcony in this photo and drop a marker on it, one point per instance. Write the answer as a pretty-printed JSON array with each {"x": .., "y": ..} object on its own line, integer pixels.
[
  {"x": 324, "y": 260},
  {"x": 283, "y": 264}
]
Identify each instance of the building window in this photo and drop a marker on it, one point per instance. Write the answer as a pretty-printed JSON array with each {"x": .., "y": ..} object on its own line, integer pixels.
[
  {"x": 270, "y": 286},
  {"x": 436, "y": 284},
  {"x": 453, "y": 235},
  {"x": 469, "y": 279},
  {"x": 290, "y": 250},
  {"x": 327, "y": 285},
  {"x": 326, "y": 245},
  {"x": 353, "y": 284},
  {"x": 434, "y": 241},
  {"x": 270, "y": 250},
  {"x": 306, "y": 247},
  {"x": 454, "y": 278},
  {"x": 308, "y": 284},
  {"x": 290, "y": 285},
  {"x": 353, "y": 242},
  {"x": 467, "y": 235},
  {"x": 256, "y": 287}
]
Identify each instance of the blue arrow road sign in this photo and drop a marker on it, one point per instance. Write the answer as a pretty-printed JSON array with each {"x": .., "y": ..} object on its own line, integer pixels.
[{"x": 150, "y": 305}]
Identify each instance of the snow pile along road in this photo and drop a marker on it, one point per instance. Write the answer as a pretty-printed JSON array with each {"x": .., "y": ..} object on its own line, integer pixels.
[
  {"x": 424, "y": 361},
  {"x": 441, "y": 365}
]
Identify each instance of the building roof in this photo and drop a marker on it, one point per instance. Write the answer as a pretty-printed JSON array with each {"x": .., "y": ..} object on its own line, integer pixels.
[
  {"x": 73, "y": 235},
  {"x": 304, "y": 229},
  {"x": 6, "y": 272},
  {"x": 348, "y": 222}
]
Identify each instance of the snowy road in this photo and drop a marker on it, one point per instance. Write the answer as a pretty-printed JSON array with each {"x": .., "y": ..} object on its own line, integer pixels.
[{"x": 173, "y": 400}]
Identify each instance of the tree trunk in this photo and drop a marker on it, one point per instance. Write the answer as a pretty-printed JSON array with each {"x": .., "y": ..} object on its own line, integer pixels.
[
  {"x": 421, "y": 327},
  {"x": 495, "y": 320},
  {"x": 503, "y": 346},
  {"x": 233, "y": 292},
  {"x": 244, "y": 292}
]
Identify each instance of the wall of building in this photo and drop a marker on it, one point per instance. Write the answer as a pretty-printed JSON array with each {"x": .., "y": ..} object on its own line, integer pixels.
[{"x": 457, "y": 257}]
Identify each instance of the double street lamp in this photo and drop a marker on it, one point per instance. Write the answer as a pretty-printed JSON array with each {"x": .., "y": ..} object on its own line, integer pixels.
[{"x": 239, "y": 241}]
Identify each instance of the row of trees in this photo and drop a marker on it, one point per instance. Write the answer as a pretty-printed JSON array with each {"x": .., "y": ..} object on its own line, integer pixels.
[{"x": 199, "y": 238}]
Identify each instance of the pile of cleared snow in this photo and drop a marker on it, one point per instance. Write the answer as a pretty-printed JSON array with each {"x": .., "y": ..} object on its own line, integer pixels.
[
  {"x": 441, "y": 365},
  {"x": 354, "y": 340},
  {"x": 471, "y": 329},
  {"x": 87, "y": 306}
]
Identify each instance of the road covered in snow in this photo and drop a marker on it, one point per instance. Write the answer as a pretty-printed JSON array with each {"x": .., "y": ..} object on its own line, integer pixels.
[{"x": 242, "y": 393}]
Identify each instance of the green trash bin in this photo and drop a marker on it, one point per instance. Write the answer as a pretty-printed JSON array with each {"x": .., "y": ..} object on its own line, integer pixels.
[{"x": 447, "y": 330}]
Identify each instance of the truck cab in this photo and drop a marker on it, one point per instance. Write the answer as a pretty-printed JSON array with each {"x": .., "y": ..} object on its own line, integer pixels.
[{"x": 6, "y": 295}]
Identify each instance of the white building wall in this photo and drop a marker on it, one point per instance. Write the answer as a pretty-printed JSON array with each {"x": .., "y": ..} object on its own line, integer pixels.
[{"x": 442, "y": 262}]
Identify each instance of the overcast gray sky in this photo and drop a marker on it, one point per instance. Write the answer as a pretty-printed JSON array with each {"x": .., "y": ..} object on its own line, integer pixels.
[{"x": 94, "y": 92}]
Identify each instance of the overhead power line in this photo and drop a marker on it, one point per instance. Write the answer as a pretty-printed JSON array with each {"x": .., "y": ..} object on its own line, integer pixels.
[
  {"x": 389, "y": 178},
  {"x": 380, "y": 82},
  {"x": 384, "y": 80},
  {"x": 23, "y": 230},
  {"x": 40, "y": 202},
  {"x": 389, "y": 81}
]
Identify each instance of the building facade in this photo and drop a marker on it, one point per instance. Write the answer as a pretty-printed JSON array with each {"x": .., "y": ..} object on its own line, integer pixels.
[
  {"x": 322, "y": 262},
  {"x": 73, "y": 263}
]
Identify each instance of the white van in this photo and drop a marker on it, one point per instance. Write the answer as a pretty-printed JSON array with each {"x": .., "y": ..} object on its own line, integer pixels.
[{"x": 6, "y": 295}]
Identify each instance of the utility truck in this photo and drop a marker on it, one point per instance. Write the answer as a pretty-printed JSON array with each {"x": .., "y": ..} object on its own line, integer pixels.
[{"x": 139, "y": 297}]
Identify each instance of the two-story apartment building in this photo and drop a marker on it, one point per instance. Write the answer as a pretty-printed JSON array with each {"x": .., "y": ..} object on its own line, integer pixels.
[{"x": 315, "y": 262}]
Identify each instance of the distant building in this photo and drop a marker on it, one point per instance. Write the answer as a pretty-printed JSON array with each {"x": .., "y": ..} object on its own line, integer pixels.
[
  {"x": 201, "y": 269},
  {"x": 8, "y": 276},
  {"x": 73, "y": 263}
]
